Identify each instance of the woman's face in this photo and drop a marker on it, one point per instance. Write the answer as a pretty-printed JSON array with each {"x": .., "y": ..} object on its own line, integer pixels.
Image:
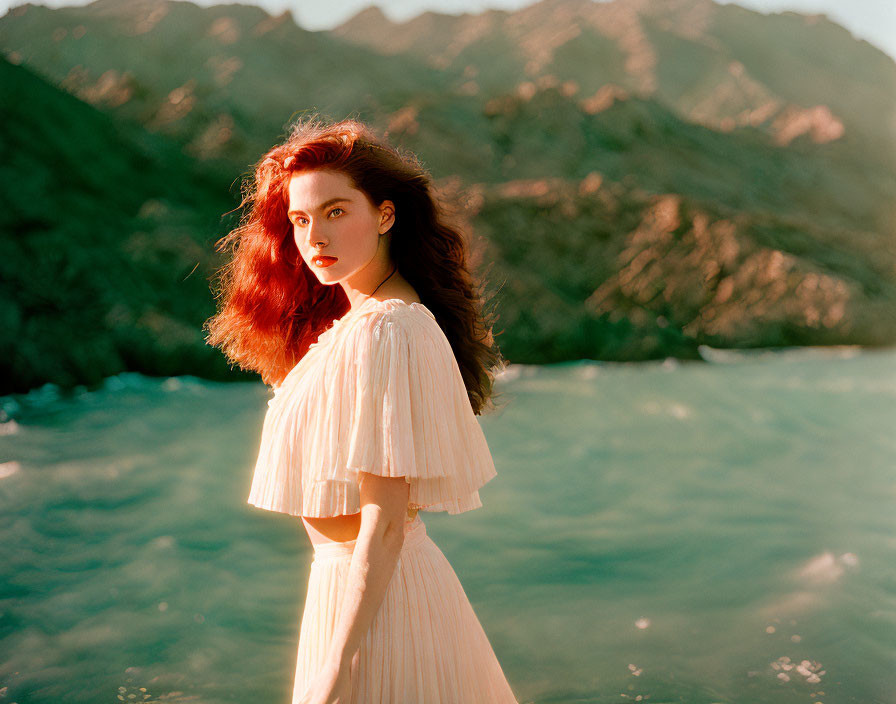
[{"x": 337, "y": 228}]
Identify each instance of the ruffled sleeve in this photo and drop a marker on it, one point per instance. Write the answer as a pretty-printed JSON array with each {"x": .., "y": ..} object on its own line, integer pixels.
[
  {"x": 381, "y": 393},
  {"x": 411, "y": 416}
]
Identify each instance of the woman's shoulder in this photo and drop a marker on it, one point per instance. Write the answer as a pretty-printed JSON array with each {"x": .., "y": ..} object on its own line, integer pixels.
[
  {"x": 395, "y": 335},
  {"x": 394, "y": 308},
  {"x": 396, "y": 316}
]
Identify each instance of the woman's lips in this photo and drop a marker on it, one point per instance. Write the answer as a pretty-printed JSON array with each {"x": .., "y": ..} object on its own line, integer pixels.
[{"x": 323, "y": 261}]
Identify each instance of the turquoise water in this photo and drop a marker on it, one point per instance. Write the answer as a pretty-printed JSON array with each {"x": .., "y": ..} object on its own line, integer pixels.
[{"x": 662, "y": 532}]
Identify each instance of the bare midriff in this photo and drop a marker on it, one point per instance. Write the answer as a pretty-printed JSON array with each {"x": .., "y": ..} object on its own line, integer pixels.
[{"x": 339, "y": 528}]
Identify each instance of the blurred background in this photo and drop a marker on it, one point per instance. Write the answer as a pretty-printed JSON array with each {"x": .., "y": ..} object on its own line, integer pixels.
[{"x": 686, "y": 213}]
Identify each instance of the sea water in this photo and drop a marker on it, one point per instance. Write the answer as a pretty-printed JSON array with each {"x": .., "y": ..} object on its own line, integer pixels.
[{"x": 660, "y": 532}]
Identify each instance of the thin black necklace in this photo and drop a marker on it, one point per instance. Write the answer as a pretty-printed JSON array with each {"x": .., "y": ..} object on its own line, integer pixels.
[{"x": 382, "y": 282}]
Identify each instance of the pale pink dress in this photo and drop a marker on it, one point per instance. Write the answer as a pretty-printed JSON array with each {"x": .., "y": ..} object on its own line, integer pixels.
[{"x": 381, "y": 392}]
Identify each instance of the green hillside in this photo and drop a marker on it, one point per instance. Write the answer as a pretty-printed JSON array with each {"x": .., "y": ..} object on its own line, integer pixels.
[{"x": 107, "y": 236}]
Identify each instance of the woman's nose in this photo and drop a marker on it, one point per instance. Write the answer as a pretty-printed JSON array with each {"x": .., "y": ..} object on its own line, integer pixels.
[{"x": 315, "y": 235}]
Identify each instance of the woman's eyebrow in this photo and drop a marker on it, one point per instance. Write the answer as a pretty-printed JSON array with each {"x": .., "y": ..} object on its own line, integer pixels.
[{"x": 320, "y": 207}]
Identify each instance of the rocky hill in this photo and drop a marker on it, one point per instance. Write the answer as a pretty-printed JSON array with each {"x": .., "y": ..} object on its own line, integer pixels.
[{"x": 653, "y": 176}]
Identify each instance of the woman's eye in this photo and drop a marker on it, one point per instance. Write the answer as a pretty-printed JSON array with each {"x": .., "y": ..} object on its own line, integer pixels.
[{"x": 300, "y": 221}]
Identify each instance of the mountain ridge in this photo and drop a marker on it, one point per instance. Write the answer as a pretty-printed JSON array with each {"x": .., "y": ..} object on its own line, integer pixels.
[{"x": 704, "y": 33}]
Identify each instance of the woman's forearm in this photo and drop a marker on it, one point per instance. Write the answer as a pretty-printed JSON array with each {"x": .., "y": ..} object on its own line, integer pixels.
[{"x": 373, "y": 563}]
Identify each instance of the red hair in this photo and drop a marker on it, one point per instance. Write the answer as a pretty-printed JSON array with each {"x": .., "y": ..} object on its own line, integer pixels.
[{"x": 272, "y": 307}]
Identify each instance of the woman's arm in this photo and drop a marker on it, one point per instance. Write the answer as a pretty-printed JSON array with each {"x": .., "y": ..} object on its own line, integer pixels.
[{"x": 384, "y": 502}]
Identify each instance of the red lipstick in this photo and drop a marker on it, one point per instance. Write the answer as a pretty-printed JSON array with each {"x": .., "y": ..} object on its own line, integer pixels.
[{"x": 323, "y": 260}]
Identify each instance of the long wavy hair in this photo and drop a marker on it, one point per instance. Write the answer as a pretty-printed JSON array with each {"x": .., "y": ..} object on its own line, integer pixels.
[{"x": 271, "y": 306}]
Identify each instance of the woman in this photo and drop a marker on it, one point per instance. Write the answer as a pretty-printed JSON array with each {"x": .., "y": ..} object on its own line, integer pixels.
[{"x": 373, "y": 417}]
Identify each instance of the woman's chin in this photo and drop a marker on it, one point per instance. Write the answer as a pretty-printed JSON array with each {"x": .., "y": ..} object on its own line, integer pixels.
[{"x": 324, "y": 275}]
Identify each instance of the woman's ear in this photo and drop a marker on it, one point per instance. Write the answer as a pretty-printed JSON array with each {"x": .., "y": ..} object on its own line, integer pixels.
[{"x": 387, "y": 216}]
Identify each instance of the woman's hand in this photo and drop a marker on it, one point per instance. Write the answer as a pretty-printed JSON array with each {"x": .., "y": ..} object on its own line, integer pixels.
[{"x": 333, "y": 685}]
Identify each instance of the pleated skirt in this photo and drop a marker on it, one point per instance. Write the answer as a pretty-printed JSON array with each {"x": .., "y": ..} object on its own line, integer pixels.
[{"x": 425, "y": 645}]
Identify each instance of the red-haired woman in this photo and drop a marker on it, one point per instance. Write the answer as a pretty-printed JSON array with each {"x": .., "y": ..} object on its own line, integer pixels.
[{"x": 350, "y": 294}]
